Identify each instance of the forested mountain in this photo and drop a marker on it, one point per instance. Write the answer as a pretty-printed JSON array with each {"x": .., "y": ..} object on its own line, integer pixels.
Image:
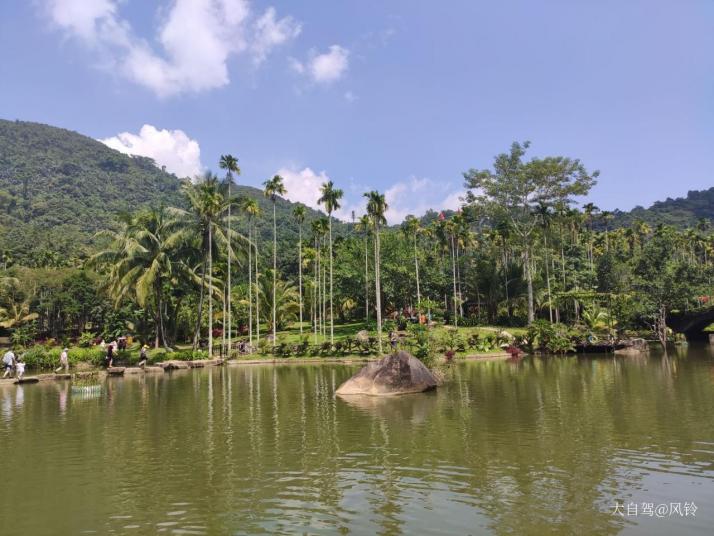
[
  {"x": 58, "y": 188},
  {"x": 680, "y": 212}
]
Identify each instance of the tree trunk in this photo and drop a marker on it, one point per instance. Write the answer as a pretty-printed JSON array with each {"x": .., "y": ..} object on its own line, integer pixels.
[
  {"x": 416, "y": 269},
  {"x": 300, "y": 273},
  {"x": 453, "y": 269},
  {"x": 275, "y": 272},
  {"x": 377, "y": 287},
  {"x": 210, "y": 293},
  {"x": 529, "y": 279},
  {"x": 197, "y": 331},
  {"x": 257, "y": 297},
  {"x": 366, "y": 277},
  {"x": 332, "y": 318},
  {"x": 547, "y": 277},
  {"x": 230, "y": 251},
  {"x": 250, "y": 283}
]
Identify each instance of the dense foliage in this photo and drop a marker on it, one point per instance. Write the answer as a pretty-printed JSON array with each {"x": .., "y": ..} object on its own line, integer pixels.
[{"x": 98, "y": 244}]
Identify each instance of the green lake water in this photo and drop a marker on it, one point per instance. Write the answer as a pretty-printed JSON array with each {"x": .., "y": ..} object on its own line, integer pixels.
[{"x": 541, "y": 446}]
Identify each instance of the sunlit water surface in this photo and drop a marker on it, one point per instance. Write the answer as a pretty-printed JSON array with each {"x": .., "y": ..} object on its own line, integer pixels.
[{"x": 541, "y": 446}]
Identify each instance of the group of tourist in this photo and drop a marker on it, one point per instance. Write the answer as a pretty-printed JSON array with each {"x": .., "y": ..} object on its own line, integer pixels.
[
  {"x": 120, "y": 344},
  {"x": 13, "y": 365}
]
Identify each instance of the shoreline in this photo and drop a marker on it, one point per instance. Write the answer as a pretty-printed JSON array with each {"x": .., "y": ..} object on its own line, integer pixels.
[{"x": 168, "y": 366}]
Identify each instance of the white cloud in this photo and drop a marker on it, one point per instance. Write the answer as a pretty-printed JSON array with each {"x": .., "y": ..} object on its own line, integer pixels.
[
  {"x": 303, "y": 186},
  {"x": 196, "y": 37},
  {"x": 330, "y": 66},
  {"x": 324, "y": 68},
  {"x": 413, "y": 196},
  {"x": 171, "y": 148},
  {"x": 270, "y": 33},
  {"x": 418, "y": 195}
]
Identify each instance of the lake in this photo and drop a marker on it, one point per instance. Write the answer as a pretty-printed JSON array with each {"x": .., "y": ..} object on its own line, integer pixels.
[{"x": 544, "y": 445}]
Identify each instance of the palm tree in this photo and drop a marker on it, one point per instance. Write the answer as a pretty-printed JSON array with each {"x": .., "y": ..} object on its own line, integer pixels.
[
  {"x": 16, "y": 309},
  {"x": 411, "y": 229},
  {"x": 364, "y": 225},
  {"x": 272, "y": 189},
  {"x": 299, "y": 214},
  {"x": 141, "y": 259},
  {"x": 208, "y": 202},
  {"x": 331, "y": 199},
  {"x": 230, "y": 164},
  {"x": 252, "y": 210},
  {"x": 376, "y": 208}
]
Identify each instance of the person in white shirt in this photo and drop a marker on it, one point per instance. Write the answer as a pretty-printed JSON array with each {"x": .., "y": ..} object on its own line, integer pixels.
[
  {"x": 64, "y": 361},
  {"x": 8, "y": 361},
  {"x": 20, "y": 368}
]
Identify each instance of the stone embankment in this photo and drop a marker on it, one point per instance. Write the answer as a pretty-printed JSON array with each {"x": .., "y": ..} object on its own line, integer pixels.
[{"x": 164, "y": 366}]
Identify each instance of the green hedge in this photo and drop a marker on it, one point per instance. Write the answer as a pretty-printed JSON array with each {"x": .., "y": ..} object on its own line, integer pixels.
[{"x": 41, "y": 357}]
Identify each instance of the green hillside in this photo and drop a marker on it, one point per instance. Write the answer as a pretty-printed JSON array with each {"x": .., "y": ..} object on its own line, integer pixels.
[
  {"x": 680, "y": 212},
  {"x": 58, "y": 188}
]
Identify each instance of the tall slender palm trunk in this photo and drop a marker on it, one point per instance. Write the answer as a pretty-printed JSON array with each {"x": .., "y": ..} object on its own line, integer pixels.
[
  {"x": 210, "y": 293},
  {"x": 332, "y": 320},
  {"x": 230, "y": 260},
  {"x": 250, "y": 283},
  {"x": 366, "y": 277},
  {"x": 197, "y": 331},
  {"x": 416, "y": 269},
  {"x": 255, "y": 292},
  {"x": 377, "y": 287},
  {"x": 547, "y": 277},
  {"x": 453, "y": 269},
  {"x": 529, "y": 280},
  {"x": 275, "y": 268},
  {"x": 300, "y": 273}
]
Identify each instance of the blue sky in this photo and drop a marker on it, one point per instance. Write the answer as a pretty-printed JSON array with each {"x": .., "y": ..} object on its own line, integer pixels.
[{"x": 400, "y": 96}]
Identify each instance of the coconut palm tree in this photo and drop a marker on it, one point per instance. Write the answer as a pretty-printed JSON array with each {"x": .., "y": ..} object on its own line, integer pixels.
[
  {"x": 331, "y": 199},
  {"x": 252, "y": 210},
  {"x": 272, "y": 189},
  {"x": 142, "y": 259},
  {"x": 230, "y": 164},
  {"x": 364, "y": 225},
  {"x": 376, "y": 209},
  {"x": 208, "y": 202},
  {"x": 299, "y": 214}
]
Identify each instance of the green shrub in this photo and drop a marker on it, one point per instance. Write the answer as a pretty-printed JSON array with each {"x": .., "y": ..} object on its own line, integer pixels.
[
  {"x": 36, "y": 357},
  {"x": 421, "y": 343},
  {"x": 86, "y": 339},
  {"x": 187, "y": 355}
]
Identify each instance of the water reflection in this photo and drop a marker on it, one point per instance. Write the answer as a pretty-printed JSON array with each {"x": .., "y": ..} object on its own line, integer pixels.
[{"x": 532, "y": 446}]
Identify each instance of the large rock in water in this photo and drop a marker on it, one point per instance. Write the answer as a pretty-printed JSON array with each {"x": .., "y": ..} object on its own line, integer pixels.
[{"x": 395, "y": 374}]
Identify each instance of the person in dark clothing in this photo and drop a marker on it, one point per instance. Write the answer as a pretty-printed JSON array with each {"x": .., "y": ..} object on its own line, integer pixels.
[{"x": 110, "y": 355}]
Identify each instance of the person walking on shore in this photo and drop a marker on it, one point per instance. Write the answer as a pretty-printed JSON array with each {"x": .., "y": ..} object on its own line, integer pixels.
[
  {"x": 143, "y": 356},
  {"x": 110, "y": 355},
  {"x": 19, "y": 368},
  {"x": 64, "y": 362},
  {"x": 8, "y": 362}
]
